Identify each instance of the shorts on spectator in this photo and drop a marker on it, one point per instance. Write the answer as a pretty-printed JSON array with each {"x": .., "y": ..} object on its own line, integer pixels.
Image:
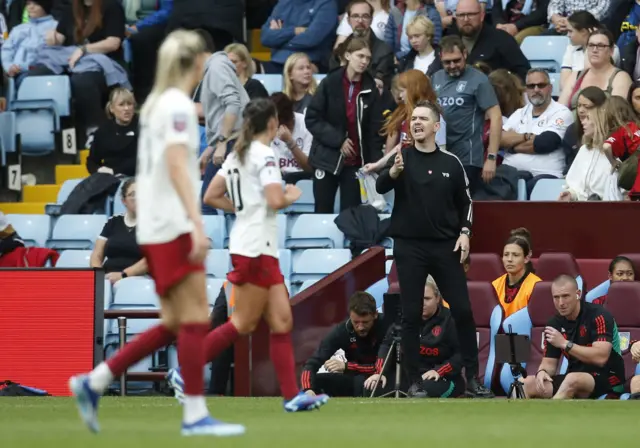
[
  {"x": 263, "y": 271},
  {"x": 169, "y": 262},
  {"x": 603, "y": 384}
]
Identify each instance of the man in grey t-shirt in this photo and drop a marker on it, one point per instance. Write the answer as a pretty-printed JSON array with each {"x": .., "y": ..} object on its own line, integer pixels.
[{"x": 466, "y": 97}]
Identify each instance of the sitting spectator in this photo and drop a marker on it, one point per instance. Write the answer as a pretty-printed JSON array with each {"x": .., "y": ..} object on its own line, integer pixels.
[
  {"x": 15, "y": 254},
  {"x": 447, "y": 10},
  {"x": 116, "y": 249},
  {"x": 299, "y": 83},
  {"x": 559, "y": 11},
  {"x": 485, "y": 43},
  {"x": 299, "y": 26},
  {"x": 16, "y": 12},
  {"x": 515, "y": 287},
  {"x": 440, "y": 359},
  {"x": 114, "y": 149},
  {"x": 87, "y": 30},
  {"x": 292, "y": 143},
  {"x": 601, "y": 72},
  {"x": 520, "y": 18},
  {"x": 378, "y": 21},
  {"x": 400, "y": 16},
  {"x": 9, "y": 238},
  {"x": 19, "y": 51},
  {"x": 239, "y": 55},
  {"x": 359, "y": 338},
  {"x": 382, "y": 67},
  {"x": 422, "y": 56},
  {"x": 343, "y": 143},
  {"x": 532, "y": 136},
  {"x": 634, "y": 98},
  {"x": 621, "y": 269},
  {"x": 588, "y": 336},
  {"x": 579, "y": 26}
]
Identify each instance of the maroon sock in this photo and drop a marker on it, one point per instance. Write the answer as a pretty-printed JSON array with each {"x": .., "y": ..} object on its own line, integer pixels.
[
  {"x": 218, "y": 340},
  {"x": 144, "y": 344},
  {"x": 281, "y": 352},
  {"x": 191, "y": 356}
]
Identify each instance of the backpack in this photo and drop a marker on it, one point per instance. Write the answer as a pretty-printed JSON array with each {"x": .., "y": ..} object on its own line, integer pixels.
[{"x": 11, "y": 389}]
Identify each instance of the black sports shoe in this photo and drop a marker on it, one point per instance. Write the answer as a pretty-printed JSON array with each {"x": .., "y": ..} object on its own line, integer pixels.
[
  {"x": 477, "y": 390},
  {"x": 635, "y": 396},
  {"x": 416, "y": 391}
]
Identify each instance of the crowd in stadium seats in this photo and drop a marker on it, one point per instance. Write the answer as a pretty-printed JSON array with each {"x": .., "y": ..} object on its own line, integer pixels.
[{"x": 540, "y": 99}]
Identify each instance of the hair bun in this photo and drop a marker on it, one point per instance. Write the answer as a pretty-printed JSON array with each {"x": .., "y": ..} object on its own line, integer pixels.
[{"x": 521, "y": 232}]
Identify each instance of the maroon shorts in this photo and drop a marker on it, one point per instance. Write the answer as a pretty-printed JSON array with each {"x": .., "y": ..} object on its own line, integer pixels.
[
  {"x": 169, "y": 262},
  {"x": 263, "y": 271}
]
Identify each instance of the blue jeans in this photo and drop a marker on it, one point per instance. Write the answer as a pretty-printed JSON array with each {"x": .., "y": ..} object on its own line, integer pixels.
[{"x": 209, "y": 173}]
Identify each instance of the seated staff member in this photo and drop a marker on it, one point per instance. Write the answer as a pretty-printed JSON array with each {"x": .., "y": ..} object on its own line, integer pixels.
[
  {"x": 588, "y": 336},
  {"x": 621, "y": 269},
  {"x": 515, "y": 287},
  {"x": 359, "y": 337},
  {"x": 440, "y": 360},
  {"x": 293, "y": 142},
  {"x": 635, "y": 381}
]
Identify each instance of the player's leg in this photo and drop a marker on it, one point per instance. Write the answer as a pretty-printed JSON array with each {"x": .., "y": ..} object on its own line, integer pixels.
[
  {"x": 531, "y": 389},
  {"x": 576, "y": 385},
  {"x": 635, "y": 384}
]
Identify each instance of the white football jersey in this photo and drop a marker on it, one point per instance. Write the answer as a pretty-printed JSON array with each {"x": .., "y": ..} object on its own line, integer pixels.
[
  {"x": 255, "y": 231},
  {"x": 160, "y": 213}
]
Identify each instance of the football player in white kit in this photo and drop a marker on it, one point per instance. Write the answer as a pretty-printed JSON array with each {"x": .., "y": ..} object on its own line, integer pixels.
[
  {"x": 172, "y": 238},
  {"x": 252, "y": 179}
]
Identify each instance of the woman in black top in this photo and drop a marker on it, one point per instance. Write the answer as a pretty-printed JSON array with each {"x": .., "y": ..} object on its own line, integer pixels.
[
  {"x": 116, "y": 249},
  {"x": 239, "y": 55},
  {"x": 115, "y": 144}
]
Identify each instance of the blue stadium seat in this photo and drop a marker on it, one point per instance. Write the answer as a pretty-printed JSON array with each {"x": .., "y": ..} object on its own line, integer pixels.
[
  {"x": 135, "y": 292},
  {"x": 34, "y": 229},
  {"x": 314, "y": 264},
  {"x": 315, "y": 231},
  {"x": 306, "y": 203},
  {"x": 545, "y": 51},
  {"x": 76, "y": 231},
  {"x": 218, "y": 263},
  {"x": 74, "y": 259},
  {"x": 555, "y": 83},
  {"x": 520, "y": 323},
  {"x": 66, "y": 189},
  {"x": 108, "y": 297},
  {"x": 319, "y": 77},
  {"x": 213, "y": 289},
  {"x": 598, "y": 291},
  {"x": 8, "y": 138},
  {"x": 273, "y": 83},
  {"x": 547, "y": 190},
  {"x": 118, "y": 205},
  {"x": 306, "y": 284},
  {"x": 53, "y": 89},
  {"x": 284, "y": 259},
  {"x": 215, "y": 229},
  {"x": 378, "y": 289},
  {"x": 522, "y": 190}
]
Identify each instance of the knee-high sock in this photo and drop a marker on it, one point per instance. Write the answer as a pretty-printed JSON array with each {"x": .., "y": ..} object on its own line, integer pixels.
[
  {"x": 218, "y": 340},
  {"x": 281, "y": 352}
]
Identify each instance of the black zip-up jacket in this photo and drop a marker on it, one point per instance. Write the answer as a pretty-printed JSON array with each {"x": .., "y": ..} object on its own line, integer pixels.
[
  {"x": 325, "y": 120},
  {"x": 535, "y": 18},
  {"x": 432, "y": 199},
  {"x": 439, "y": 347},
  {"x": 361, "y": 353},
  {"x": 382, "y": 64},
  {"x": 407, "y": 62},
  {"x": 116, "y": 147}
]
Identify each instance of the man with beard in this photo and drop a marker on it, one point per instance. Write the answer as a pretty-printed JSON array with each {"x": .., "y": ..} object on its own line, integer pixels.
[
  {"x": 533, "y": 134},
  {"x": 360, "y": 17},
  {"x": 430, "y": 224},
  {"x": 467, "y": 97}
]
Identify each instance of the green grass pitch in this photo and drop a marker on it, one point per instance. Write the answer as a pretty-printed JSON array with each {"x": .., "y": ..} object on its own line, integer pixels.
[{"x": 155, "y": 422}]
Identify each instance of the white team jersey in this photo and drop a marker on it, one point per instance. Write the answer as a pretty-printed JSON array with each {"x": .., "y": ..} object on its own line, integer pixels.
[
  {"x": 255, "y": 231},
  {"x": 160, "y": 212},
  {"x": 302, "y": 137}
]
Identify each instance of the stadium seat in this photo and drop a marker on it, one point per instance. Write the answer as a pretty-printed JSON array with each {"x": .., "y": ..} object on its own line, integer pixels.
[
  {"x": 314, "y": 264},
  {"x": 555, "y": 83},
  {"x": 635, "y": 259},
  {"x": 540, "y": 309},
  {"x": 388, "y": 263},
  {"x": 218, "y": 263},
  {"x": 74, "y": 259},
  {"x": 8, "y": 138},
  {"x": 306, "y": 203},
  {"x": 378, "y": 290},
  {"x": 135, "y": 292},
  {"x": 599, "y": 291},
  {"x": 76, "y": 231},
  {"x": 487, "y": 314},
  {"x": 282, "y": 222},
  {"x": 319, "y": 77},
  {"x": 315, "y": 231},
  {"x": 545, "y": 51},
  {"x": 547, "y": 190},
  {"x": 522, "y": 190},
  {"x": 34, "y": 229},
  {"x": 552, "y": 264},
  {"x": 118, "y": 205},
  {"x": 306, "y": 284},
  {"x": 54, "y": 89},
  {"x": 215, "y": 229},
  {"x": 284, "y": 258},
  {"x": 485, "y": 267},
  {"x": 108, "y": 298},
  {"x": 213, "y": 289},
  {"x": 66, "y": 189},
  {"x": 273, "y": 83}
]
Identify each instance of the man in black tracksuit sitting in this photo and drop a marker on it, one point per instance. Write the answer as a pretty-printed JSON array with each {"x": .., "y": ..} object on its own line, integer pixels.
[
  {"x": 440, "y": 360},
  {"x": 359, "y": 337}
]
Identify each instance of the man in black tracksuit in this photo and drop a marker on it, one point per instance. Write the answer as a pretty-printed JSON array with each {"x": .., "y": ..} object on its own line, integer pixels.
[
  {"x": 359, "y": 337},
  {"x": 430, "y": 222}
]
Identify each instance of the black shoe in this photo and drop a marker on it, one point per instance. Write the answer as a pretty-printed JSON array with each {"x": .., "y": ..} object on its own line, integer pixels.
[
  {"x": 416, "y": 391},
  {"x": 477, "y": 390},
  {"x": 635, "y": 396}
]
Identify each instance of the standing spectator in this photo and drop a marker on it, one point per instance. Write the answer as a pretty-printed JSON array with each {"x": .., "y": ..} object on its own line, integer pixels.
[
  {"x": 629, "y": 25},
  {"x": 343, "y": 144},
  {"x": 114, "y": 148},
  {"x": 378, "y": 25},
  {"x": 223, "y": 99},
  {"x": 532, "y": 136},
  {"x": 360, "y": 14},
  {"x": 520, "y": 18},
  {"x": 239, "y": 55},
  {"x": 145, "y": 37},
  {"x": 484, "y": 43},
  {"x": 466, "y": 97},
  {"x": 559, "y": 11},
  {"x": 400, "y": 16},
  {"x": 299, "y": 83},
  {"x": 423, "y": 55},
  {"x": 300, "y": 26}
]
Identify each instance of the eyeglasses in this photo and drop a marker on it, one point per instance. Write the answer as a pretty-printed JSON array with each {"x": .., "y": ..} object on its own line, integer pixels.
[
  {"x": 467, "y": 15},
  {"x": 539, "y": 85},
  {"x": 363, "y": 18},
  {"x": 598, "y": 46},
  {"x": 451, "y": 61}
]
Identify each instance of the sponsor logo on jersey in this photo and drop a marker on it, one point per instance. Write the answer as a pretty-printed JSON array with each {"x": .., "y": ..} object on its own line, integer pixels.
[
  {"x": 461, "y": 86},
  {"x": 319, "y": 174},
  {"x": 270, "y": 161},
  {"x": 180, "y": 122},
  {"x": 299, "y": 142},
  {"x": 436, "y": 330}
]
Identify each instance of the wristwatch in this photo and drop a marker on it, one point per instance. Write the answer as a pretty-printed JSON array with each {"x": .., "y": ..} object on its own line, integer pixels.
[
  {"x": 221, "y": 139},
  {"x": 124, "y": 274},
  {"x": 491, "y": 157},
  {"x": 569, "y": 346},
  {"x": 466, "y": 232}
]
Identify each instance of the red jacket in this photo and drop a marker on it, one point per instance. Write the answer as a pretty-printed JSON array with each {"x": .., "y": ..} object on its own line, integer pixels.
[{"x": 29, "y": 257}]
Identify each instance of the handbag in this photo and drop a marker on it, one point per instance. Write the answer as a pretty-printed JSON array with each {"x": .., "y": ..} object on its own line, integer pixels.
[{"x": 368, "y": 192}]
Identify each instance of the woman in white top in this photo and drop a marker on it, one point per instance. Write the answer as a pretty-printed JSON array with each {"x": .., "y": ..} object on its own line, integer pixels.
[
  {"x": 378, "y": 21},
  {"x": 171, "y": 235},
  {"x": 251, "y": 178}
]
